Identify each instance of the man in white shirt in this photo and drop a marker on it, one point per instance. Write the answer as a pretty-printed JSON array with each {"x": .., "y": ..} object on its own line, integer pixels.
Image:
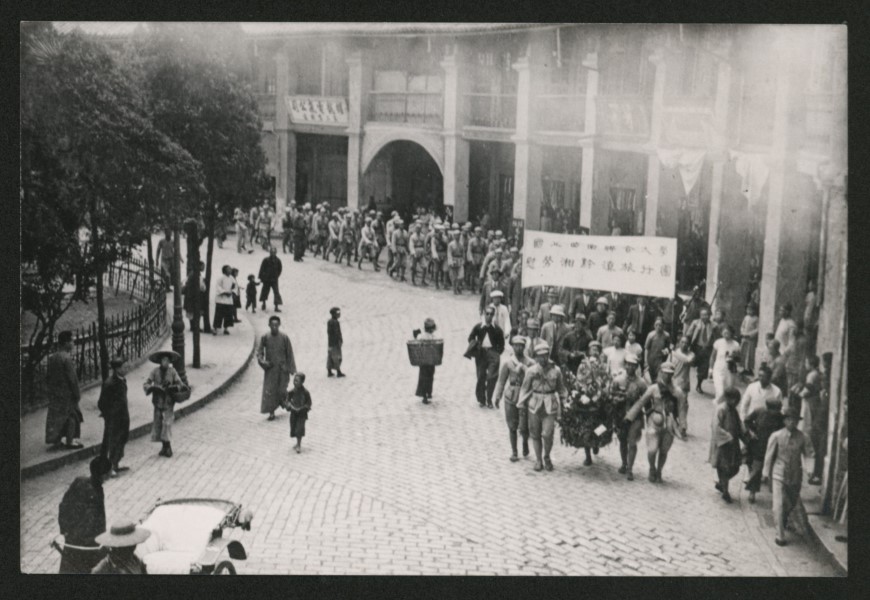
[
  {"x": 758, "y": 393},
  {"x": 502, "y": 314}
]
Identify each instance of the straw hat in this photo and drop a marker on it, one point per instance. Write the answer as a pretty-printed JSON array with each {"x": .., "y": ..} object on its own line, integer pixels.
[
  {"x": 558, "y": 310},
  {"x": 156, "y": 357},
  {"x": 123, "y": 535}
]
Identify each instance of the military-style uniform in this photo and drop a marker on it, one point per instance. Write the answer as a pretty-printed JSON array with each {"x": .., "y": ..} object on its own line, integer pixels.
[
  {"x": 542, "y": 393},
  {"x": 510, "y": 380},
  {"x": 625, "y": 391},
  {"x": 399, "y": 247},
  {"x": 659, "y": 405},
  {"x": 417, "y": 249},
  {"x": 456, "y": 263}
]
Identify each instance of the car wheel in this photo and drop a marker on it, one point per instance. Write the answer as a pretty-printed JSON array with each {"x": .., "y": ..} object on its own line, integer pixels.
[{"x": 224, "y": 568}]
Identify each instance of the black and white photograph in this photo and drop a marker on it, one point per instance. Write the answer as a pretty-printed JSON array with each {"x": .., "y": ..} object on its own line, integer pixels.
[{"x": 433, "y": 298}]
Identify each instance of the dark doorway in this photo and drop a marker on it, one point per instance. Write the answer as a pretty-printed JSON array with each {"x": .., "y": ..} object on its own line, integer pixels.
[
  {"x": 491, "y": 183},
  {"x": 406, "y": 173}
]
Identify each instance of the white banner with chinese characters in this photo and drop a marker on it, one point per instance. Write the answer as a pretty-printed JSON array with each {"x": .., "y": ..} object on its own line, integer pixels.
[
  {"x": 644, "y": 266},
  {"x": 317, "y": 110}
]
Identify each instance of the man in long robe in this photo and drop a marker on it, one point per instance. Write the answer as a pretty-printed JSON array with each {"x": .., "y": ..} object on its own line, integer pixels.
[
  {"x": 275, "y": 356},
  {"x": 64, "y": 417},
  {"x": 116, "y": 416}
]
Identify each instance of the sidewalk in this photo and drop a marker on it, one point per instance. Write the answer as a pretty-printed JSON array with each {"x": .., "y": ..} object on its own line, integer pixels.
[{"x": 223, "y": 359}]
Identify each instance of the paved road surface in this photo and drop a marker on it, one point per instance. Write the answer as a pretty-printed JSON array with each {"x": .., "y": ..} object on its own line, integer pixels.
[{"x": 386, "y": 485}]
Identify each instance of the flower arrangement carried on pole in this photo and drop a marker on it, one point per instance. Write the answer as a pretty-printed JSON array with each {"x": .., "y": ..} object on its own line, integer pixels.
[{"x": 587, "y": 418}]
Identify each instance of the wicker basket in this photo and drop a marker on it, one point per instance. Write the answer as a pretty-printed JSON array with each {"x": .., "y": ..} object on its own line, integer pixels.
[
  {"x": 425, "y": 352},
  {"x": 180, "y": 395}
]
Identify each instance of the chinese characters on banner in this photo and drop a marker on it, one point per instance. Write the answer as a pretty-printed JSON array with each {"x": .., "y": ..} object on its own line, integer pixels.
[
  {"x": 640, "y": 265},
  {"x": 319, "y": 110}
]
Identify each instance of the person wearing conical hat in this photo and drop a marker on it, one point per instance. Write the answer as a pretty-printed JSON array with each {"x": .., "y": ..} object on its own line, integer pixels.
[
  {"x": 542, "y": 393},
  {"x": 510, "y": 380},
  {"x": 659, "y": 405},
  {"x": 121, "y": 540},
  {"x": 160, "y": 384}
]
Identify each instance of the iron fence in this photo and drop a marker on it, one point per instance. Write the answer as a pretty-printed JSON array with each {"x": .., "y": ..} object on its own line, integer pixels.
[{"x": 131, "y": 333}]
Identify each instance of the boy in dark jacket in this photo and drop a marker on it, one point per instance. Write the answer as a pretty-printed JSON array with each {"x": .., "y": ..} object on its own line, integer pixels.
[
  {"x": 251, "y": 293},
  {"x": 298, "y": 402}
]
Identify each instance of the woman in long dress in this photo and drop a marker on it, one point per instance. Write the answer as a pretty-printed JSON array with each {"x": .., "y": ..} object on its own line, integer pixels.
[
  {"x": 426, "y": 378},
  {"x": 723, "y": 369}
]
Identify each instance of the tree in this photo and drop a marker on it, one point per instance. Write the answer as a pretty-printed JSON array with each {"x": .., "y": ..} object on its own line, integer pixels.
[
  {"x": 90, "y": 154},
  {"x": 193, "y": 79}
]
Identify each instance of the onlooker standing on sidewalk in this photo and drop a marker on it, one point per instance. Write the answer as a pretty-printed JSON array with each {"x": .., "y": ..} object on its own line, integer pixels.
[
  {"x": 298, "y": 402},
  {"x": 785, "y": 333},
  {"x": 251, "y": 293},
  {"x": 682, "y": 358},
  {"x": 725, "y": 441},
  {"x": 270, "y": 271},
  {"x": 160, "y": 384},
  {"x": 116, "y": 415},
  {"x": 334, "y": 343},
  {"x": 166, "y": 258},
  {"x": 64, "y": 418},
  {"x": 190, "y": 298},
  {"x": 700, "y": 334},
  {"x": 779, "y": 375},
  {"x": 237, "y": 295},
  {"x": 223, "y": 302},
  {"x": 749, "y": 338},
  {"x": 760, "y": 424},
  {"x": 275, "y": 357},
  {"x": 784, "y": 469},
  {"x": 510, "y": 380},
  {"x": 814, "y": 413},
  {"x": 82, "y": 517},
  {"x": 486, "y": 345}
]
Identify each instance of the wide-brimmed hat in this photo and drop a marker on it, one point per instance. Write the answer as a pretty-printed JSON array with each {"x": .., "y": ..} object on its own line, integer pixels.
[
  {"x": 542, "y": 348},
  {"x": 558, "y": 309},
  {"x": 792, "y": 412},
  {"x": 497, "y": 294},
  {"x": 123, "y": 535},
  {"x": 156, "y": 357}
]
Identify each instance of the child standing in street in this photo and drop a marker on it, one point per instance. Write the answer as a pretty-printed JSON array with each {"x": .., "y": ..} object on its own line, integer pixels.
[
  {"x": 251, "y": 294},
  {"x": 298, "y": 402}
]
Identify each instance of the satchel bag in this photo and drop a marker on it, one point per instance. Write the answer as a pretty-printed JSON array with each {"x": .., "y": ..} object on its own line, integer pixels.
[{"x": 473, "y": 349}]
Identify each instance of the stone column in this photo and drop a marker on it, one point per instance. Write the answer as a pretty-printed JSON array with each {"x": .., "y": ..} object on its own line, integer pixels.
[
  {"x": 356, "y": 103},
  {"x": 528, "y": 193},
  {"x": 720, "y": 122},
  {"x": 456, "y": 151},
  {"x": 767, "y": 312},
  {"x": 285, "y": 188},
  {"x": 591, "y": 127},
  {"x": 653, "y": 171}
]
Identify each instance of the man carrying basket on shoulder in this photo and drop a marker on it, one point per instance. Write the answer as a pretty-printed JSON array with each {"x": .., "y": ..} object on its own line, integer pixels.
[{"x": 426, "y": 378}]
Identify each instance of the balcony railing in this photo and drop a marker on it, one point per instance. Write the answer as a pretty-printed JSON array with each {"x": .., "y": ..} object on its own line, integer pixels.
[
  {"x": 421, "y": 108},
  {"x": 624, "y": 115},
  {"x": 498, "y": 111},
  {"x": 560, "y": 112},
  {"x": 266, "y": 106}
]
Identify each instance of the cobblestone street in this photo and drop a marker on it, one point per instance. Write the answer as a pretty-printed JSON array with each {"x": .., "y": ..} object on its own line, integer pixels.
[{"x": 387, "y": 485}]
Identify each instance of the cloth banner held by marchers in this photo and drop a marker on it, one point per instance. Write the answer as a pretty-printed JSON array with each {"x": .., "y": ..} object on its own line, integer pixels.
[{"x": 640, "y": 265}]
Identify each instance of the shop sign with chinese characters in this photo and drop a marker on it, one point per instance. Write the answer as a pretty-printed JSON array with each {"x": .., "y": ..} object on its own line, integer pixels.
[
  {"x": 317, "y": 110},
  {"x": 640, "y": 265}
]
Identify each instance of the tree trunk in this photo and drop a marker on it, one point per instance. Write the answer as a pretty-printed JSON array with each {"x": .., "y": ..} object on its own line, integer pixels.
[
  {"x": 101, "y": 326},
  {"x": 209, "y": 253},
  {"x": 150, "y": 259}
]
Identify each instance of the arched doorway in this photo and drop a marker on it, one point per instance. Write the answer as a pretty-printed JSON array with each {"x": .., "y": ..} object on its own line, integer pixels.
[{"x": 403, "y": 176}]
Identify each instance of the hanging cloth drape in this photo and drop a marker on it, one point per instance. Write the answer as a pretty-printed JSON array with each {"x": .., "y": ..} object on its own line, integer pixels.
[
  {"x": 689, "y": 163},
  {"x": 753, "y": 171}
]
